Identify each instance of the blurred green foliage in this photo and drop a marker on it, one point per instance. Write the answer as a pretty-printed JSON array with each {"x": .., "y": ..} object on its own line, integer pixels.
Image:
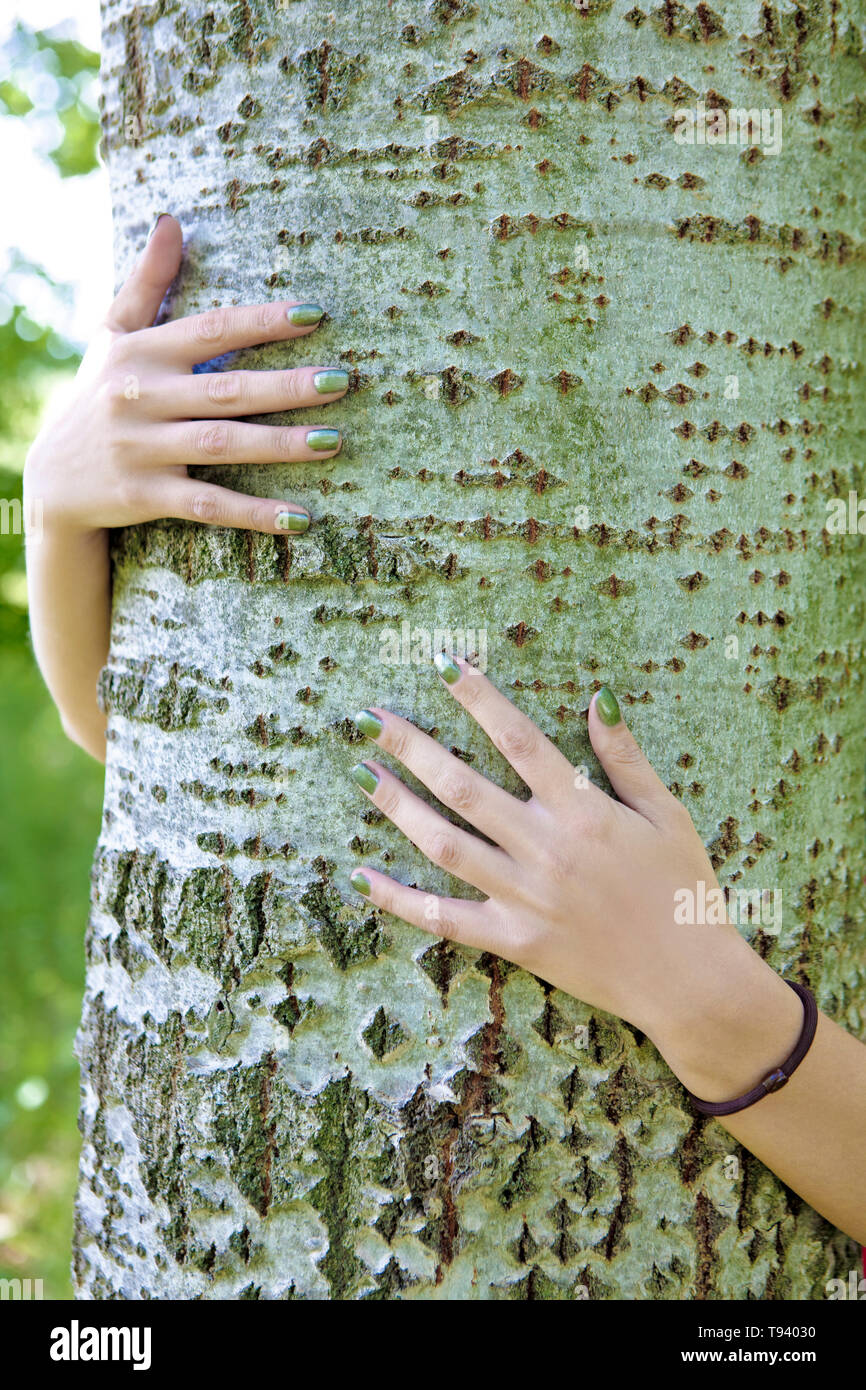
[
  {"x": 53, "y": 76},
  {"x": 50, "y": 791},
  {"x": 52, "y": 794}
]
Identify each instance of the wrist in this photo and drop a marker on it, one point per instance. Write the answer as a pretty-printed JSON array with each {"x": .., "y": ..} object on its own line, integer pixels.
[
  {"x": 730, "y": 1033},
  {"x": 44, "y": 498},
  {"x": 46, "y": 525}
]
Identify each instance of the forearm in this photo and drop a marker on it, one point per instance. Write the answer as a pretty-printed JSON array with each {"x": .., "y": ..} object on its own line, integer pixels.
[
  {"x": 811, "y": 1132},
  {"x": 69, "y": 596}
]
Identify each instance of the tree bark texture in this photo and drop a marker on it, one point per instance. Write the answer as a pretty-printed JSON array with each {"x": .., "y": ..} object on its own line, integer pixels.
[{"x": 603, "y": 385}]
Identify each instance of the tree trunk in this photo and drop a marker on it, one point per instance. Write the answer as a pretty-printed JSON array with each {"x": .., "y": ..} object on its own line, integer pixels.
[{"x": 603, "y": 385}]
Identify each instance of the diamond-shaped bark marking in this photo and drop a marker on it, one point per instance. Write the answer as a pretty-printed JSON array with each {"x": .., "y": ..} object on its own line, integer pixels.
[
  {"x": 442, "y": 962},
  {"x": 523, "y": 1177},
  {"x": 565, "y": 1247},
  {"x": 383, "y": 1034},
  {"x": 551, "y": 1023},
  {"x": 505, "y": 382},
  {"x": 525, "y": 1247},
  {"x": 537, "y": 1285}
]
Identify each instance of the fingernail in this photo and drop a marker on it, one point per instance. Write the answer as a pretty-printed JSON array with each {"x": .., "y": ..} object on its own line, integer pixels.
[
  {"x": 607, "y": 707},
  {"x": 331, "y": 379},
  {"x": 303, "y": 315},
  {"x": 294, "y": 522},
  {"x": 155, "y": 224},
  {"x": 447, "y": 668},
  {"x": 360, "y": 881},
  {"x": 369, "y": 723},
  {"x": 365, "y": 777},
  {"x": 320, "y": 440}
]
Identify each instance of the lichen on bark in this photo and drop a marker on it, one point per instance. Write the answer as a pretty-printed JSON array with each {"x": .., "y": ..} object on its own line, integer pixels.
[{"x": 543, "y": 301}]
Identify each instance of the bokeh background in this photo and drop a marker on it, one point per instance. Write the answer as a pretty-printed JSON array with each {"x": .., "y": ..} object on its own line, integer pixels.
[{"x": 55, "y": 253}]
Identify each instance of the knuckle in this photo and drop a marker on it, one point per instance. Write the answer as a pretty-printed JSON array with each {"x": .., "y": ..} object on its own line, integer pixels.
[
  {"x": 113, "y": 394},
  {"x": 130, "y": 493},
  {"x": 120, "y": 350},
  {"x": 678, "y": 813},
  {"x": 260, "y": 516},
  {"x": 517, "y": 741},
  {"x": 225, "y": 388},
  {"x": 284, "y": 442},
  {"x": 291, "y": 388},
  {"x": 471, "y": 690},
  {"x": 388, "y": 801},
  {"x": 206, "y": 507},
  {"x": 625, "y": 752},
  {"x": 558, "y": 867},
  {"x": 445, "y": 850},
  {"x": 207, "y": 328},
  {"x": 593, "y": 827},
  {"x": 399, "y": 740},
  {"x": 212, "y": 441},
  {"x": 267, "y": 317},
  {"x": 458, "y": 790},
  {"x": 446, "y": 924},
  {"x": 518, "y": 939}
]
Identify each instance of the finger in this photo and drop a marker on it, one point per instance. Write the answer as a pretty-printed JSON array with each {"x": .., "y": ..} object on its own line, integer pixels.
[
  {"x": 226, "y": 441},
  {"x": 190, "y": 500},
  {"x": 246, "y": 393},
  {"x": 137, "y": 302},
  {"x": 631, "y": 774},
  {"x": 545, "y": 770},
  {"x": 199, "y": 337},
  {"x": 484, "y": 805},
  {"x": 445, "y": 845},
  {"x": 453, "y": 919}
]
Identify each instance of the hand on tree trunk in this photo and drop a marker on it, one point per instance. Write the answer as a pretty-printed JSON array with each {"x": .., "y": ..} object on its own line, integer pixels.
[{"x": 586, "y": 892}]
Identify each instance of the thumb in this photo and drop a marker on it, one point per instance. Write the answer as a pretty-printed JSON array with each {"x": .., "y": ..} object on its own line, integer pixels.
[
  {"x": 631, "y": 775},
  {"x": 137, "y": 302}
]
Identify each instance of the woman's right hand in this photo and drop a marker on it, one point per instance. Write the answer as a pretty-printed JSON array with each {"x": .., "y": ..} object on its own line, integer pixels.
[{"x": 117, "y": 451}]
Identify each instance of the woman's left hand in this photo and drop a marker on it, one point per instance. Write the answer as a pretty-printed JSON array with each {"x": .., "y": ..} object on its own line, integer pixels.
[{"x": 580, "y": 888}]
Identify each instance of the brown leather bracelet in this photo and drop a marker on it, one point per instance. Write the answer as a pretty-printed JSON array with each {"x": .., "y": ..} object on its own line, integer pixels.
[{"x": 780, "y": 1076}]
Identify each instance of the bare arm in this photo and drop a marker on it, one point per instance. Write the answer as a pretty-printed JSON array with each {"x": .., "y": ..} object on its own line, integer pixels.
[
  {"x": 69, "y": 623},
  {"x": 812, "y": 1132}
]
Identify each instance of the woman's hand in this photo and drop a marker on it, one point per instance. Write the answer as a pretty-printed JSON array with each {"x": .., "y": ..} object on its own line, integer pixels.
[
  {"x": 580, "y": 888},
  {"x": 118, "y": 451},
  {"x": 115, "y": 452}
]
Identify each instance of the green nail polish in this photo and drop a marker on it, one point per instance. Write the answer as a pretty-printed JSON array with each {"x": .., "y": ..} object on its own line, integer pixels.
[
  {"x": 322, "y": 439},
  {"x": 447, "y": 668},
  {"x": 294, "y": 522},
  {"x": 330, "y": 379},
  {"x": 607, "y": 707},
  {"x": 303, "y": 315},
  {"x": 365, "y": 777},
  {"x": 369, "y": 723},
  {"x": 360, "y": 881},
  {"x": 155, "y": 223}
]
